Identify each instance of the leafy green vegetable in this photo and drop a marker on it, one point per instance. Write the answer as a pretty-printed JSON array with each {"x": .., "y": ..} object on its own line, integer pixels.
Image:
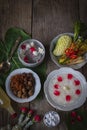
[
  {"x": 5, "y": 47},
  {"x": 79, "y": 30}
]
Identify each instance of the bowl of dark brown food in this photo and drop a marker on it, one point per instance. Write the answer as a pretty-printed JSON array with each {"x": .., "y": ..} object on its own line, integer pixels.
[{"x": 23, "y": 85}]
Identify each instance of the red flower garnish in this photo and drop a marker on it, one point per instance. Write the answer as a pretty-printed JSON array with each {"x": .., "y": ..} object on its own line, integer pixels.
[
  {"x": 69, "y": 76},
  {"x": 77, "y": 82},
  {"x": 75, "y": 117},
  {"x": 23, "y": 109},
  {"x": 56, "y": 86},
  {"x": 72, "y": 121},
  {"x": 56, "y": 92},
  {"x": 30, "y": 112},
  {"x": 23, "y": 46},
  {"x": 32, "y": 49},
  {"x": 79, "y": 118},
  {"x": 26, "y": 59},
  {"x": 13, "y": 116},
  {"x": 73, "y": 114},
  {"x": 37, "y": 118},
  {"x": 68, "y": 98},
  {"x": 78, "y": 92},
  {"x": 59, "y": 79}
]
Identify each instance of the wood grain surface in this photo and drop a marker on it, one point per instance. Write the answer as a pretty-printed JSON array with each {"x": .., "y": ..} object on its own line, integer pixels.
[{"x": 43, "y": 19}]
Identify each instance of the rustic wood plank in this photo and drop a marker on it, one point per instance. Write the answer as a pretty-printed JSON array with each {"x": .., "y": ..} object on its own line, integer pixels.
[
  {"x": 83, "y": 18},
  {"x": 50, "y": 18},
  {"x": 83, "y": 10},
  {"x": 14, "y": 14}
]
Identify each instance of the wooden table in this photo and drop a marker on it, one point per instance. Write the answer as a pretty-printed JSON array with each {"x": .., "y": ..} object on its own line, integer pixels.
[{"x": 43, "y": 19}]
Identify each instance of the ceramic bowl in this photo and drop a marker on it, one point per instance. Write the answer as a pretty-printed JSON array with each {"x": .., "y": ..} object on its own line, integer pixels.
[
  {"x": 68, "y": 95},
  {"x": 31, "y": 53},
  {"x": 55, "y": 59},
  {"x": 37, "y": 85}
]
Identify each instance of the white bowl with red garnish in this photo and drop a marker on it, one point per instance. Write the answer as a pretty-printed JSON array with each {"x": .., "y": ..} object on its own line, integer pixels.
[
  {"x": 65, "y": 89},
  {"x": 31, "y": 52}
]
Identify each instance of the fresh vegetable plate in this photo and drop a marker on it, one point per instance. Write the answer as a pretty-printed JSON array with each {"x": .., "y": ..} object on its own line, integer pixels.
[{"x": 74, "y": 62}]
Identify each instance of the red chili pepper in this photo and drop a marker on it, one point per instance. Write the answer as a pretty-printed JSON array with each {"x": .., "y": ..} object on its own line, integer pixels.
[
  {"x": 73, "y": 56},
  {"x": 37, "y": 118},
  {"x": 67, "y": 52}
]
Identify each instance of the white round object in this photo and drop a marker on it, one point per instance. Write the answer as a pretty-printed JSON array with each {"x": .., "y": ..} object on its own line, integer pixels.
[
  {"x": 37, "y": 85},
  {"x": 51, "y": 119},
  {"x": 76, "y": 102}
]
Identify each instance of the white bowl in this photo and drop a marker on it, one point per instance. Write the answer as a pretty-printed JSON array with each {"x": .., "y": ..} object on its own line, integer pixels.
[
  {"x": 34, "y": 57},
  {"x": 37, "y": 85},
  {"x": 77, "y": 103},
  {"x": 55, "y": 59}
]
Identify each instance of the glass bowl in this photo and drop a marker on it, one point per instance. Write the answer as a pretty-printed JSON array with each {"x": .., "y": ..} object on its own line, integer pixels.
[
  {"x": 55, "y": 58},
  {"x": 31, "y": 53},
  {"x": 37, "y": 87},
  {"x": 51, "y": 119},
  {"x": 65, "y": 89}
]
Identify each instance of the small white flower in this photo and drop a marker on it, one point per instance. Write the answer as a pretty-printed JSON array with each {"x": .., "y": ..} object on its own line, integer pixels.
[
  {"x": 40, "y": 50},
  {"x": 35, "y": 53},
  {"x": 28, "y": 46},
  {"x": 32, "y": 43},
  {"x": 53, "y": 123}
]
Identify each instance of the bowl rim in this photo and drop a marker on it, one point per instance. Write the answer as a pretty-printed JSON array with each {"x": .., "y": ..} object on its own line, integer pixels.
[
  {"x": 80, "y": 101},
  {"x": 31, "y": 64},
  {"x": 52, "y": 44},
  {"x": 20, "y": 71}
]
